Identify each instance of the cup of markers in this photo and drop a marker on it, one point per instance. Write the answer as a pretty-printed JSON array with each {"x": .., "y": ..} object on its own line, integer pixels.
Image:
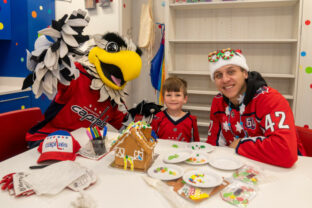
[{"x": 97, "y": 139}]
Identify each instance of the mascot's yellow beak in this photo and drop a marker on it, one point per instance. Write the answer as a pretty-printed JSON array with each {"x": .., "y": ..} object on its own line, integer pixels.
[{"x": 115, "y": 69}]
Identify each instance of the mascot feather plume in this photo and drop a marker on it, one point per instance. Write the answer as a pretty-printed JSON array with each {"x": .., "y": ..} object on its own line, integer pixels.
[{"x": 84, "y": 76}]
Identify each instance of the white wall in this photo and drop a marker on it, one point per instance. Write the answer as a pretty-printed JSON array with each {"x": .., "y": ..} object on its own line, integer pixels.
[
  {"x": 304, "y": 95},
  {"x": 141, "y": 88},
  {"x": 102, "y": 20}
]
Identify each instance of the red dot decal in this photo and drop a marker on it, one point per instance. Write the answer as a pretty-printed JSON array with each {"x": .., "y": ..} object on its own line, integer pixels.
[
  {"x": 311, "y": 86},
  {"x": 124, "y": 5},
  {"x": 307, "y": 22},
  {"x": 5, "y": 1},
  {"x": 306, "y": 126}
]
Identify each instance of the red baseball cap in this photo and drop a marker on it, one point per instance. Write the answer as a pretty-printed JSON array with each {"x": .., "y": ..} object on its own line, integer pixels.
[{"x": 59, "y": 145}]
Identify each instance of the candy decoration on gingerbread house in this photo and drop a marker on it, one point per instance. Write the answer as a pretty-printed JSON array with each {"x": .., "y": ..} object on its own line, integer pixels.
[{"x": 134, "y": 148}]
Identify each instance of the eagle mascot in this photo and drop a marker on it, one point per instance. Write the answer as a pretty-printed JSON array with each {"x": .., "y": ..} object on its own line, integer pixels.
[{"x": 84, "y": 76}]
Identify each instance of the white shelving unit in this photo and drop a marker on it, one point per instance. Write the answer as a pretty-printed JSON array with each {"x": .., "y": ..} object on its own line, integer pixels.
[{"x": 267, "y": 31}]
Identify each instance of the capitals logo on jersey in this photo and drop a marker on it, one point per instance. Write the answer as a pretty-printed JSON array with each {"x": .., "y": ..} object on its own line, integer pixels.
[{"x": 250, "y": 123}]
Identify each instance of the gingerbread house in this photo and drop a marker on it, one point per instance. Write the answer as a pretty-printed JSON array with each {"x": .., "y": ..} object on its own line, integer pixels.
[{"x": 134, "y": 148}]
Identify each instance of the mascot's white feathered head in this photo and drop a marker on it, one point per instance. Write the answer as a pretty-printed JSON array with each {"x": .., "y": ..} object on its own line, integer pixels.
[{"x": 110, "y": 59}]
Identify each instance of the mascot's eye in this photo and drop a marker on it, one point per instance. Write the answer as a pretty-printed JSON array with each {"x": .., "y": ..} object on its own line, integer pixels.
[{"x": 112, "y": 47}]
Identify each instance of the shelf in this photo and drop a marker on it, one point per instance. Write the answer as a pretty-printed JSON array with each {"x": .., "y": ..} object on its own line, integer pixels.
[
  {"x": 233, "y": 4},
  {"x": 202, "y": 92},
  {"x": 268, "y": 31},
  {"x": 286, "y": 76},
  {"x": 209, "y": 92},
  {"x": 206, "y": 73},
  {"x": 289, "y": 97},
  {"x": 253, "y": 41},
  {"x": 196, "y": 107},
  {"x": 202, "y": 124},
  {"x": 10, "y": 85}
]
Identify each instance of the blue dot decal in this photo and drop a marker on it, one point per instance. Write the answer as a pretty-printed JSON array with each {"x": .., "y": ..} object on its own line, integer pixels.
[{"x": 303, "y": 53}]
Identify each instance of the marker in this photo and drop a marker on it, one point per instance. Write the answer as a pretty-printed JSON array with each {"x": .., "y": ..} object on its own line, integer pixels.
[
  {"x": 104, "y": 131},
  {"x": 89, "y": 135},
  {"x": 38, "y": 166},
  {"x": 95, "y": 133},
  {"x": 99, "y": 132},
  {"x": 92, "y": 133}
]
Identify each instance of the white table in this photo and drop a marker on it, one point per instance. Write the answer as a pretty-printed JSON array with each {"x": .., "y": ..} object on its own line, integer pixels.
[{"x": 118, "y": 188}]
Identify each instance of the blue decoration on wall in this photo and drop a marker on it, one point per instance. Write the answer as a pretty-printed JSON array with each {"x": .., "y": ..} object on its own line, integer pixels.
[
  {"x": 5, "y": 20},
  {"x": 27, "y": 18}
]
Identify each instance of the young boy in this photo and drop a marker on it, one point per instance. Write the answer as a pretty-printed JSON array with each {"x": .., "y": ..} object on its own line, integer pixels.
[
  {"x": 248, "y": 115},
  {"x": 173, "y": 123}
]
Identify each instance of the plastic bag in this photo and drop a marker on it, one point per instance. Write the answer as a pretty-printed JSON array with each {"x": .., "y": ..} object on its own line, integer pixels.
[{"x": 238, "y": 194}]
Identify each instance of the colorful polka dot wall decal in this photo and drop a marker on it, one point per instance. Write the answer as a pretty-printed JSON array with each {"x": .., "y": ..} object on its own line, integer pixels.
[
  {"x": 41, "y": 7},
  {"x": 303, "y": 53},
  {"x": 16, "y": 43},
  {"x": 34, "y": 14},
  {"x": 5, "y": 1},
  {"x": 308, "y": 69},
  {"x": 1, "y": 26},
  {"x": 307, "y": 22},
  {"x": 22, "y": 59},
  {"x": 163, "y": 3},
  {"x": 49, "y": 11},
  {"x": 306, "y": 126},
  {"x": 311, "y": 86},
  {"x": 300, "y": 67}
]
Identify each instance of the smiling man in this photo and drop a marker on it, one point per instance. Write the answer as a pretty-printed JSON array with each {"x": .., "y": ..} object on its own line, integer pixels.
[{"x": 248, "y": 115}]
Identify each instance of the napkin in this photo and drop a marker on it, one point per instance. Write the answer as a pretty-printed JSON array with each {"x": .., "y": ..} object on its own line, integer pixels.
[{"x": 54, "y": 178}]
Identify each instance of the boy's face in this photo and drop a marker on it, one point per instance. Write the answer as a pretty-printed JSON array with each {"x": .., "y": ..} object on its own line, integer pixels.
[
  {"x": 230, "y": 81},
  {"x": 174, "y": 100}
]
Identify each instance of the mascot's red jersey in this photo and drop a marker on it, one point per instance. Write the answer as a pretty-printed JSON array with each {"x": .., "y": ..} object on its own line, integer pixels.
[
  {"x": 185, "y": 129},
  {"x": 265, "y": 124},
  {"x": 76, "y": 106}
]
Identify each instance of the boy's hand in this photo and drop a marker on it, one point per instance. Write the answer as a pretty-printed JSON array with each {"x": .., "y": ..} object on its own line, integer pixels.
[{"x": 234, "y": 143}]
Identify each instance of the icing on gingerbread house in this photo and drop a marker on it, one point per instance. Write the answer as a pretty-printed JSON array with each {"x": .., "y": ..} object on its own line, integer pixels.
[{"x": 134, "y": 148}]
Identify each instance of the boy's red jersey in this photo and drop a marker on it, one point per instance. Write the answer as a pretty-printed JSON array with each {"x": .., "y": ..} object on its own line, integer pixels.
[{"x": 185, "y": 129}]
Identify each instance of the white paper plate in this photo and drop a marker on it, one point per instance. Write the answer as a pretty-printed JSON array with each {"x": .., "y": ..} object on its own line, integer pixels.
[
  {"x": 178, "y": 145},
  {"x": 201, "y": 146},
  {"x": 202, "y": 179},
  {"x": 177, "y": 156},
  {"x": 198, "y": 158},
  {"x": 165, "y": 171},
  {"x": 225, "y": 163}
]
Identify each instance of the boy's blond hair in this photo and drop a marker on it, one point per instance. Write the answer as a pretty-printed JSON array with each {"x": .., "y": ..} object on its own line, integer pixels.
[{"x": 175, "y": 84}]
